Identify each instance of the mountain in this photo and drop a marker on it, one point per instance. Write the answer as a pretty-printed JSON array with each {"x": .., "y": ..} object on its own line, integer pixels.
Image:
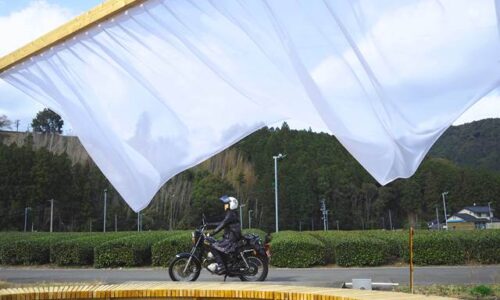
[
  {"x": 36, "y": 167},
  {"x": 475, "y": 145}
]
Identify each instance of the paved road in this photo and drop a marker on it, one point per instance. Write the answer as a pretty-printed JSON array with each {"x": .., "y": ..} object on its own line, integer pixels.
[{"x": 332, "y": 277}]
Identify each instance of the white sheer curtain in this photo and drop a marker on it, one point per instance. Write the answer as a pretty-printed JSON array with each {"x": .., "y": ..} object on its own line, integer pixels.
[{"x": 170, "y": 83}]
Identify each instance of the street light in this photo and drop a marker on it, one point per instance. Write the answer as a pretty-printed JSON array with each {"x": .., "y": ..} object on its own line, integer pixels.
[
  {"x": 241, "y": 216},
  {"x": 444, "y": 206},
  {"x": 250, "y": 219},
  {"x": 105, "y": 196},
  {"x": 26, "y": 217},
  {"x": 489, "y": 208},
  {"x": 279, "y": 156}
]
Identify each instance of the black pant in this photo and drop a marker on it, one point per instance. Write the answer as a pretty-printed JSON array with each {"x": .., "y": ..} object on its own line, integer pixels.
[{"x": 219, "y": 249}]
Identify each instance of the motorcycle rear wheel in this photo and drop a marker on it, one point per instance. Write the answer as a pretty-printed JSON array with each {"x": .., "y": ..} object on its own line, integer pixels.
[
  {"x": 178, "y": 265},
  {"x": 260, "y": 268}
]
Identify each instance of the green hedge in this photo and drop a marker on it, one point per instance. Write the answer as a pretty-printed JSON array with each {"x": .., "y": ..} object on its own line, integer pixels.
[
  {"x": 33, "y": 249},
  {"x": 362, "y": 251},
  {"x": 8, "y": 249},
  {"x": 296, "y": 250},
  {"x": 80, "y": 251},
  {"x": 163, "y": 251},
  {"x": 134, "y": 250}
]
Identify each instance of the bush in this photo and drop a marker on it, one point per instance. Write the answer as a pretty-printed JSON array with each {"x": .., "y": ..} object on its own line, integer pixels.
[
  {"x": 129, "y": 251},
  {"x": 163, "y": 251},
  {"x": 361, "y": 251},
  {"x": 296, "y": 250},
  {"x": 482, "y": 247},
  {"x": 7, "y": 247},
  {"x": 35, "y": 249},
  {"x": 80, "y": 251},
  {"x": 438, "y": 248}
]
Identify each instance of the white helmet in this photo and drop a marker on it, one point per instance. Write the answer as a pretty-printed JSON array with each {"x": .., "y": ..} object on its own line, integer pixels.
[{"x": 233, "y": 202}]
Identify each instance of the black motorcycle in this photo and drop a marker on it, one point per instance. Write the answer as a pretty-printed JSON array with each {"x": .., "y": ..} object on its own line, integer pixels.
[{"x": 249, "y": 261}]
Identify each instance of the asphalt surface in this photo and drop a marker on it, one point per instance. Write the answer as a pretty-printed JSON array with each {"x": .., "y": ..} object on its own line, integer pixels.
[{"x": 326, "y": 277}]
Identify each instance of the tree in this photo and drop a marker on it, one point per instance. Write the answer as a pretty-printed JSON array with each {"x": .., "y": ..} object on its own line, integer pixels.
[
  {"x": 5, "y": 122},
  {"x": 47, "y": 121}
]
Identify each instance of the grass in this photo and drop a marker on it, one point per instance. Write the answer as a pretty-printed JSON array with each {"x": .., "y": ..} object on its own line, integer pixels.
[{"x": 468, "y": 292}]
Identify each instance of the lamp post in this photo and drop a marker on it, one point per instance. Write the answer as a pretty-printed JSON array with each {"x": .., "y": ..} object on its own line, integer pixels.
[
  {"x": 444, "y": 207},
  {"x": 51, "y": 213},
  {"x": 241, "y": 216},
  {"x": 105, "y": 200},
  {"x": 250, "y": 219},
  {"x": 437, "y": 218},
  {"x": 489, "y": 209},
  {"x": 26, "y": 217},
  {"x": 276, "y": 157}
]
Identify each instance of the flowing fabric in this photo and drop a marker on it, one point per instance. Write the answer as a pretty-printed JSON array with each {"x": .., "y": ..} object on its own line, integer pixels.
[{"x": 167, "y": 84}]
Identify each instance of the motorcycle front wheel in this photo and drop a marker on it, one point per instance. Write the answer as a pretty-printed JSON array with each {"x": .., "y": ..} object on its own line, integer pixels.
[
  {"x": 258, "y": 269},
  {"x": 182, "y": 268}
]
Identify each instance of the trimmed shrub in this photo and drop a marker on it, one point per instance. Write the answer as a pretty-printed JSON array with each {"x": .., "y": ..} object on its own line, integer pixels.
[
  {"x": 129, "y": 251},
  {"x": 35, "y": 250},
  {"x": 80, "y": 251},
  {"x": 8, "y": 250},
  {"x": 361, "y": 251},
  {"x": 437, "y": 248},
  {"x": 165, "y": 250},
  {"x": 296, "y": 250},
  {"x": 482, "y": 246}
]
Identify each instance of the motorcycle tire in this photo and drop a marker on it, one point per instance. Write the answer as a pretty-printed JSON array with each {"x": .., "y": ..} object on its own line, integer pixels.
[
  {"x": 178, "y": 264},
  {"x": 255, "y": 261}
]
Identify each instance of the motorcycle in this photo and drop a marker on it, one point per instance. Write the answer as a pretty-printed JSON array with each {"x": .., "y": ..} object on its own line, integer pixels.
[{"x": 249, "y": 262}]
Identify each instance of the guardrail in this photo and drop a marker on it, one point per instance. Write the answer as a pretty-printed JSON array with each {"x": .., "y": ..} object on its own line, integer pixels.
[{"x": 219, "y": 290}]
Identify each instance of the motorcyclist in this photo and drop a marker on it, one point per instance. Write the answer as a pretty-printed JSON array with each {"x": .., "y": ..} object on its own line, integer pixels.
[{"x": 232, "y": 232}]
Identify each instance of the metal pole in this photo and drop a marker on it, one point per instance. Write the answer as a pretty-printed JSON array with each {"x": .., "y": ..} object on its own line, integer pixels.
[
  {"x": 276, "y": 189},
  {"x": 26, "y": 217},
  {"x": 489, "y": 208},
  {"x": 411, "y": 259},
  {"x": 250, "y": 219},
  {"x": 241, "y": 216},
  {"x": 51, "y": 213},
  {"x": 390, "y": 220},
  {"x": 116, "y": 223},
  {"x": 104, "y": 225},
  {"x": 138, "y": 221},
  {"x": 444, "y": 206},
  {"x": 437, "y": 217}
]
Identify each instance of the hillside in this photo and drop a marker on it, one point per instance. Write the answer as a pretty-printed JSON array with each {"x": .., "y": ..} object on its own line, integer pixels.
[
  {"x": 475, "y": 144},
  {"x": 316, "y": 167}
]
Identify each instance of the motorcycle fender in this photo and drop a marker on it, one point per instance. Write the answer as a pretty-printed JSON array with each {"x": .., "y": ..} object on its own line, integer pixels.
[{"x": 187, "y": 255}]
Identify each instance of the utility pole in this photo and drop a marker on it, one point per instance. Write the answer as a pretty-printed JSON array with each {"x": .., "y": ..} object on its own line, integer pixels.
[
  {"x": 105, "y": 196},
  {"x": 250, "y": 219},
  {"x": 383, "y": 223},
  {"x": 489, "y": 208},
  {"x": 51, "y": 213},
  {"x": 138, "y": 221},
  {"x": 116, "y": 223},
  {"x": 390, "y": 220},
  {"x": 338, "y": 225},
  {"x": 26, "y": 217},
  {"x": 300, "y": 225},
  {"x": 241, "y": 216},
  {"x": 17, "y": 125},
  {"x": 437, "y": 218},
  {"x": 444, "y": 206},
  {"x": 279, "y": 156},
  {"x": 325, "y": 215}
]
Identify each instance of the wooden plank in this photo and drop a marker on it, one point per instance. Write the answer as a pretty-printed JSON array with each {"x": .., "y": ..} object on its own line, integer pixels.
[{"x": 79, "y": 24}]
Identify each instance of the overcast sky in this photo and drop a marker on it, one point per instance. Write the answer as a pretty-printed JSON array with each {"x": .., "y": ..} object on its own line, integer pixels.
[{"x": 21, "y": 21}]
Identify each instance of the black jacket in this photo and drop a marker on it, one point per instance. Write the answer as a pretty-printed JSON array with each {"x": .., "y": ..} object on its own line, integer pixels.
[{"x": 231, "y": 226}]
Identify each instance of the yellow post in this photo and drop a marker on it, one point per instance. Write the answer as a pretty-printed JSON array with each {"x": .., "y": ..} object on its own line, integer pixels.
[{"x": 411, "y": 259}]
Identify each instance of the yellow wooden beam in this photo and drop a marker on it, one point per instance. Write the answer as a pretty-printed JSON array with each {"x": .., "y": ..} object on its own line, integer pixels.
[{"x": 79, "y": 24}]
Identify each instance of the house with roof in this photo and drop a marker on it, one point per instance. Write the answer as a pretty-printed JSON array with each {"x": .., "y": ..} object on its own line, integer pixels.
[{"x": 473, "y": 217}]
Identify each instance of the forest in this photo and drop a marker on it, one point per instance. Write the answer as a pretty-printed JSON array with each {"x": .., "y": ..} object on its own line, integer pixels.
[{"x": 464, "y": 162}]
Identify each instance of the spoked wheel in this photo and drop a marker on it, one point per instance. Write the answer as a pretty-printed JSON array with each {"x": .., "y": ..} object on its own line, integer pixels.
[
  {"x": 257, "y": 271},
  {"x": 184, "y": 269}
]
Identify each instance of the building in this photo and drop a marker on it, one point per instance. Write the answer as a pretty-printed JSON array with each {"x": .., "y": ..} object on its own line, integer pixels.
[{"x": 473, "y": 217}]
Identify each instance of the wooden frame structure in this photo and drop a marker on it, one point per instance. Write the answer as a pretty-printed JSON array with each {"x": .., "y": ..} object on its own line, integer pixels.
[{"x": 79, "y": 24}]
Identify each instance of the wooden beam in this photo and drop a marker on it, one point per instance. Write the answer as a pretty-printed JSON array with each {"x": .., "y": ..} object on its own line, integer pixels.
[{"x": 79, "y": 24}]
